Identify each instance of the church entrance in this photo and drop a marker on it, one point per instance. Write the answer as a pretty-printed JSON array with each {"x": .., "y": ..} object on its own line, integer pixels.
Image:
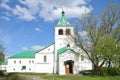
[{"x": 69, "y": 67}]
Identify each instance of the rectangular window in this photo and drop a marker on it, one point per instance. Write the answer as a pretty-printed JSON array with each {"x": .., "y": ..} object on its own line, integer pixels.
[
  {"x": 45, "y": 58},
  {"x": 29, "y": 61},
  {"x": 20, "y": 62},
  {"x": 23, "y": 68},
  {"x": 82, "y": 58},
  {"x": 14, "y": 62}
]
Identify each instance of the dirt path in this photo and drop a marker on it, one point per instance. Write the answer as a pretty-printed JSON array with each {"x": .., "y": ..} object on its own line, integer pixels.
[{"x": 31, "y": 77}]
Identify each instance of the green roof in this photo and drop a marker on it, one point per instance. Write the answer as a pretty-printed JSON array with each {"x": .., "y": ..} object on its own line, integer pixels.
[
  {"x": 62, "y": 50},
  {"x": 24, "y": 54},
  {"x": 4, "y": 63},
  {"x": 63, "y": 21}
]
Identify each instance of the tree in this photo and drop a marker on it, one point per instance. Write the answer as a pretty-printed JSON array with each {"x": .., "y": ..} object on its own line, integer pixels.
[
  {"x": 2, "y": 56},
  {"x": 102, "y": 38},
  {"x": 108, "y": 50}
]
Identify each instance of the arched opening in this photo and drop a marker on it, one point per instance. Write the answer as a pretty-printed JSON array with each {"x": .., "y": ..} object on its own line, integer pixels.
[
  {"x": 67, "y": 31},
  {"x": 60, "y": 32},
  {"x": 69, "y": 67}
]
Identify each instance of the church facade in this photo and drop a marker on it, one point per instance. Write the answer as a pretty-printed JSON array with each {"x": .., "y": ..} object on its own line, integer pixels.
[{"x": 58, "y": 58}]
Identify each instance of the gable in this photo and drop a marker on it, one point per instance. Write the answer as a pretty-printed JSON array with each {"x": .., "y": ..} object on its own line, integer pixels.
[{"x": 49, "y": 48}]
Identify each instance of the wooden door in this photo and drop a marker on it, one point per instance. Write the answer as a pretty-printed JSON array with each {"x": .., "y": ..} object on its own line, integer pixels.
[{"x": 67, "y": 71}]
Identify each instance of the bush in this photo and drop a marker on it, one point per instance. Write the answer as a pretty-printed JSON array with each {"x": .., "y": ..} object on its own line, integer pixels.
[
  {"x": 86, "y": 72},
  {"x": 115, "y": 71},
  {"x": 1, "y": 72},
  {"x": 13, "y": 76}
]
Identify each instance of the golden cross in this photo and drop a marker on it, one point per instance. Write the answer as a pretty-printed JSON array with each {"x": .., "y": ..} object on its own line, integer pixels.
[{"x": 63, "y": 8}]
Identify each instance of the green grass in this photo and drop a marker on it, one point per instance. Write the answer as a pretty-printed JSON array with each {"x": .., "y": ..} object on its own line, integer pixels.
[
  {"x": 57, "y": 77},
  {"x": 72, "y": 77}
]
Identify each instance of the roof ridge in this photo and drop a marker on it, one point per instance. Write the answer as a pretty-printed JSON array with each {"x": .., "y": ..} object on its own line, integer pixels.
[
  {"x": 45, "y": 47},
  {"x": 63, "y": 49}
]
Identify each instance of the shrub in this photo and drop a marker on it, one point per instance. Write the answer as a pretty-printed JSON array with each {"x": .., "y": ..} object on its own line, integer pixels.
[
  {"x": 13, "y": 76},
  {"x": 1, "y": 72},
  {"x": 115, "y": 71},
  {"x": 86, "y": 72}
]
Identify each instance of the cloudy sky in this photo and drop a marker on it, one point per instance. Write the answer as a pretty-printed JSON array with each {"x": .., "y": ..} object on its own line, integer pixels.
[{"x": 29, "y": 24}]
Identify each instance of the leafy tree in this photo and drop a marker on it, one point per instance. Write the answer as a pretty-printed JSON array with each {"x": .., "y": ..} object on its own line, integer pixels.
[
  {"x": 2, "y": 53},
  {"x": 101, "y": 43}
]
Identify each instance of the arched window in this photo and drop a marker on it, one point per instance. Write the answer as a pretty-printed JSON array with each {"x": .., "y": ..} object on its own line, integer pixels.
[
  {"x": 60, "y": 32},
  {"x": 67, "y": 31},
  {"x": 45, "y": 58}
]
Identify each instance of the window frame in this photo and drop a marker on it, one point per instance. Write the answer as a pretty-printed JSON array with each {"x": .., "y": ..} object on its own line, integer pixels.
[
  {"x": 45, "y": 58},
  {"x": 68, "y": 32},
  {"x": 60, "y": 32}
]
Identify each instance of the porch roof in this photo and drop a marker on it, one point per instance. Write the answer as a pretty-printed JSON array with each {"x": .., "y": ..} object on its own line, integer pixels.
[{"x": 63, "y": 49}]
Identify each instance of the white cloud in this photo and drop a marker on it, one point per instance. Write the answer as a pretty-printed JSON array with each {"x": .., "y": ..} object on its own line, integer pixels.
[
  {"x": 5, "y": 38},
  {"x": 36, "y": 47},
  {"x": 5, "y": 18},
  {"x": 49, "y": 10},
  {"x": 23, "y": 13},
  {"x": 37, "y": 29},
  {"x": 5, "y": 5},
  {"x": 25, "y": 48}
]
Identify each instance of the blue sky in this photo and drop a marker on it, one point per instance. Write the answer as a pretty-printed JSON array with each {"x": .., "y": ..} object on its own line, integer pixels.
[{"x": 29, "y": 24}]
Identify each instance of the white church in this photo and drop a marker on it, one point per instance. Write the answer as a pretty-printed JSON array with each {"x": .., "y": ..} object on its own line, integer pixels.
[{"x": 58, "y": 58}]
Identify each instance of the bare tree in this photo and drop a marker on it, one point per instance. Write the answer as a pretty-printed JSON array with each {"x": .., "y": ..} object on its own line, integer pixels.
[
  {"x": 99, "y": 29},
  {"x": 2, "y": 56}
]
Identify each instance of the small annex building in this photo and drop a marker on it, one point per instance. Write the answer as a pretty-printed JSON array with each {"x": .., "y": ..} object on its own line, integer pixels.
[{"x": 58, "y": 58}]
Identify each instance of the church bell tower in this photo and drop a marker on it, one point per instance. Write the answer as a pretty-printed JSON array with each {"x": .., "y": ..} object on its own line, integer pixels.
[{"x": 63, "y": 31}]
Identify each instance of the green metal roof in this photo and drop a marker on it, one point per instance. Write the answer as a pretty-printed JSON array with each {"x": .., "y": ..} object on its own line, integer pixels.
[
  {"x": 4, "y": 63},
  {"x": 62, "y": 50},
  {"x": 63, "y": 21},
  {"x": 24, "y": 54}
]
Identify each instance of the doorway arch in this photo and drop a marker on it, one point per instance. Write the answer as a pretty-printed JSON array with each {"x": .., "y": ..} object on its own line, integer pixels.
[{"x": 69, "y": 67}]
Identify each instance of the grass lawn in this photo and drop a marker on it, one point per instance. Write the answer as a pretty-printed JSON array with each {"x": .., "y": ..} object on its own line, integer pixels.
[
  {"x": 72, "y": 77},
  {"x": 57, "y": 77}
]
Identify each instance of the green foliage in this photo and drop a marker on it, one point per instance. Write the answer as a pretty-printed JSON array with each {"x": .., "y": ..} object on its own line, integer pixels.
[
  {"x": 13, "y": 76},
  {"x": 115, "y": 71},
  {"x": 102, "y": 39},
  {"x": 1, "y": 72},
  {"x": 78, "y": 77},
  {"x": 106, "y": 47},
  {"x": 1, "y": 53}
]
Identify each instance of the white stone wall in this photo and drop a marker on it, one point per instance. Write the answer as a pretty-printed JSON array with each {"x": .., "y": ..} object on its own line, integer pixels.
[
  {"x": 78, "y": 66},
  {"x": 40, "y": 65},
  {"x": 68, "y": 55},
  {"x": 3, "y": 67},
  {"x": 61, "y": 41},
  {"x": 15, "y": 65}
]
